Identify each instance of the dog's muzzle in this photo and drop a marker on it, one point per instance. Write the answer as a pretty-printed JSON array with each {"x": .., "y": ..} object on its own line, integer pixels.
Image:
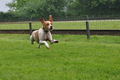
[{"x": 51, "y": 28}]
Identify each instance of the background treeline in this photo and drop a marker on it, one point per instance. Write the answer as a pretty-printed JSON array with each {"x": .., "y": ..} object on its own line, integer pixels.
[{"x": 21, "y": 10}]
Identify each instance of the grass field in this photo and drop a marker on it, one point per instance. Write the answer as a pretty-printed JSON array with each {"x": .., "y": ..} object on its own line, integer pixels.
[
  {"x": 73, "y": 58},
  {"x": 67, "y": 25}
]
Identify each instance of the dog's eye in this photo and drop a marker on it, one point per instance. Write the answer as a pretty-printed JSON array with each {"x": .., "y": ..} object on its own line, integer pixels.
[{"x": 47, "y": 23}]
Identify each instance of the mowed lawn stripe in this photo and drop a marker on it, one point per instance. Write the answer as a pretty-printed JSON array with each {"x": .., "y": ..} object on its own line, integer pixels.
[{"x": 73, "y": 58}]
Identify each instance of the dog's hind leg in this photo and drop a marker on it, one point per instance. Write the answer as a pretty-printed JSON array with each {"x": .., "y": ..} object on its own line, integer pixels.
[
  {"x": 39, "y": 46},
  {"x": 31, "y": 39}
]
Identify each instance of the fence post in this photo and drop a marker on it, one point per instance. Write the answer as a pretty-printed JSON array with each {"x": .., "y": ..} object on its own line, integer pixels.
[
  {"x": 30, "y": 27},
  {"x": 87, "y": 28}
]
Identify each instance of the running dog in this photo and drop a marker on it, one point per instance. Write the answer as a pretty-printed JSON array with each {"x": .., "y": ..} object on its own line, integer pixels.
[{"x": 43, "y": 35}]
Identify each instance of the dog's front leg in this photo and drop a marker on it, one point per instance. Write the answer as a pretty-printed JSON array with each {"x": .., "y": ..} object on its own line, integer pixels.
[
  {"x": 50, "y": 39},
  {"x": 53, "y": 41},
  {"x": 44, "y": 42}
]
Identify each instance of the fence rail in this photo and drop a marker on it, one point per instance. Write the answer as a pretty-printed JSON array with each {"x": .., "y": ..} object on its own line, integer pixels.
[
  {"x": 98, "y": 26},
  {"x": 65, "y": 31}
]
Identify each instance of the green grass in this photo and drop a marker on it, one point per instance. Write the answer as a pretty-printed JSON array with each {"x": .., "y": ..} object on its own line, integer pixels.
[
  {"x": 67, "y": 25},
  {"x": 73, "y": 58}
]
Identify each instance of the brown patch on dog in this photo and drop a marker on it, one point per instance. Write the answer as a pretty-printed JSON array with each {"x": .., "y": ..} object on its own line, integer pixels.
[
  {"x": 36, "y": 35},
  {"x": 42, "y": 20},
  {"x": 50, "y": 18}
]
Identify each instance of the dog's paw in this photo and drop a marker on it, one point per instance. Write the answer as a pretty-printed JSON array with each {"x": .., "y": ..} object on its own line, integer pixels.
[
  {"x": 39, "y": 46},
  {"x": 31, "y": 42},
  {"x": 56, "y": 41},
  {"x": 48, "y": 47}
]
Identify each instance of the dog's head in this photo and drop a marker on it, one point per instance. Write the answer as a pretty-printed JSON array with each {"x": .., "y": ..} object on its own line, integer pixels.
[{"x": 47, "y": 25}]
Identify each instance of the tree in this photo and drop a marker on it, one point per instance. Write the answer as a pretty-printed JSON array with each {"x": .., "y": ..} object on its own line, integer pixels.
[
  {"x": 39, "y": 8},
  {"x": 105, "y": 7},
  {"x": 94, "y": 7},
  {"x": 64, "y": 8},
  {"x": 16, "y": 4}
]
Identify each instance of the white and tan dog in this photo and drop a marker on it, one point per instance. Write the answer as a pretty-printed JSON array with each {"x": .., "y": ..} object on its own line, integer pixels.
[{"x": 43, "y": 34}]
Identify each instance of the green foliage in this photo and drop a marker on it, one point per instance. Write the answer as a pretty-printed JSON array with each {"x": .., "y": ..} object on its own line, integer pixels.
[
  {"x": 12, "y": 16},
  {"x": 26, "y": 9},
  {"x": 95, "y": 7},
  {"x": 104, "y": 7},
  {"x": 37, "y": 8},
  {"x": 17, "y": 4},
  {"x": 73, "y": 58}
]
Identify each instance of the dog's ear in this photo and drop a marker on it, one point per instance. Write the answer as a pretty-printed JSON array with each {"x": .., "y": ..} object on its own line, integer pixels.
[
  {"x": 42, "y": 20},
  {"x": 50, "y": 18}
]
